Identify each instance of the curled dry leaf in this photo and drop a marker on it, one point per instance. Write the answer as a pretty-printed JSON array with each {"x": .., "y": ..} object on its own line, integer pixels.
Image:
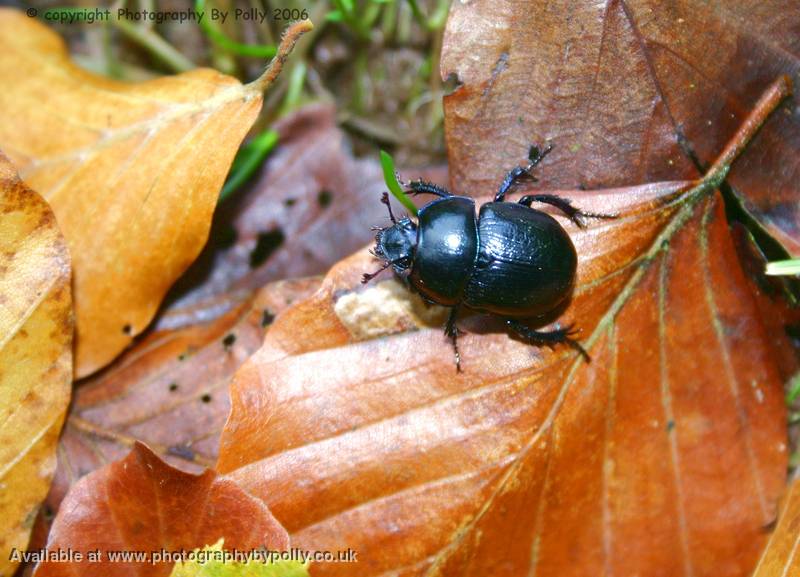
[
  {"x": 627, "y": 90},
  {"x": 170, "y": 391},
  {"x": 142, "y": 504},
  {"x": 780, "y": 558},
  {"x": 305, "y": 212},
  {"x": 35, "y": 355},
  {"x": 666, "y": 453},
  {"x": 132, "y": 172}
]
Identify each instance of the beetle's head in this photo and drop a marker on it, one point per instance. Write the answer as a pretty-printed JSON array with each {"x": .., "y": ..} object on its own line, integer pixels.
[{"x": 395, "y": 244}]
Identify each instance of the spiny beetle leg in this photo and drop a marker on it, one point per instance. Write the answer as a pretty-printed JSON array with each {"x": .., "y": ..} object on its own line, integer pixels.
[
  {"x": 548, "y": 338},
  {"x": 575, "y": 214},
  {"x": 422, "y": 187},
  {"x": 535, "y": 156}
]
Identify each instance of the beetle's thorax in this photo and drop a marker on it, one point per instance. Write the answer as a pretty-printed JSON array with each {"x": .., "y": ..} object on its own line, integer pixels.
[{"x": 447, "y": 248}]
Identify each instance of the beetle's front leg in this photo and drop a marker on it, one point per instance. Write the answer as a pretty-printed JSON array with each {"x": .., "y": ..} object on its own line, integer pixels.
[
  {"x": 547, "y": 338},
  {"x": 575, "y": 214},
  {"x": 422, "y": 187},
  {"x": 535, "y": 155},
  {"x": 451, "y": 330}
]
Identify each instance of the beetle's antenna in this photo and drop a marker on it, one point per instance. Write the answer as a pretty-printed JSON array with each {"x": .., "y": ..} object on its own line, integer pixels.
[
  {"x": 385, "y": 200},
  {"x": 369, "y": 276}
]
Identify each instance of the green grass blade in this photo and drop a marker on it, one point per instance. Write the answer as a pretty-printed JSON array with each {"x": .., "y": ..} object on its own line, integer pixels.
[
  {"x": 247, "y": 161},
  {"x": 784, "y": 267},
  {"x": 217, "y": 37},
  {"x": 390, "y": 176}
]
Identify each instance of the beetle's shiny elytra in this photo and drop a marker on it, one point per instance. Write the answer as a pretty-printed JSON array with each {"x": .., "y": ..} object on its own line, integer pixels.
[{"x": 508, "y": 260}]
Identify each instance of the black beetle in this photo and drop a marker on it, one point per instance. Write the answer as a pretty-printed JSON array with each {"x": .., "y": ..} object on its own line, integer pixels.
[{"x": 510, "y": 260}]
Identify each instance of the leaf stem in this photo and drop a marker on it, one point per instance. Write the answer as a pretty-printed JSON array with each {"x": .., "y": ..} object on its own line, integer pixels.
[
  {"x": 769, "y": 101},
  {"x": 290, "y": 38}
]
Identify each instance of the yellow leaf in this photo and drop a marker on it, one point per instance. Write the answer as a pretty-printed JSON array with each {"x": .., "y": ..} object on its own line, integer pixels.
[
  {"x": 132, "y": 171},
  {"x": 780, "y": 558},
  {"x": 35, "y": 355},
  {"x": 212, "y": 561}
]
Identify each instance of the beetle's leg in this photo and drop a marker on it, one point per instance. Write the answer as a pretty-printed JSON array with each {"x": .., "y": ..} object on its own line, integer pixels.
[
  {"x": 451, "y": 330},
  {"x": 368, "y": 276},
  {"x": 422, "y": 187},
  {"x": 535, "y": 155},
  {"x": 548, "y": 338},
  {"x": 514, "y": 175},
  {"x": 575, "y": 214}
]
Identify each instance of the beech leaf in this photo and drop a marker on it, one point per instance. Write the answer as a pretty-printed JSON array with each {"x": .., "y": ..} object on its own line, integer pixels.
[
  {"x": 664, "y": 455},
  {"x": 132, "y": 171},
  {"x": 141, "y": 504},
  {"x": 35, "y": 355}
]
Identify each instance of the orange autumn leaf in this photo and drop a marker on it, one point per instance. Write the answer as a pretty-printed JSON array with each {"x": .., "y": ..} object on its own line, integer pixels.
[
  {"x": 664, "y": 455},
  {"x": 141, "y": 504},
  {"x": 132, "y": 171},
  {"x": 780, "y": 558},
  {"x": 35, "y": 355}
]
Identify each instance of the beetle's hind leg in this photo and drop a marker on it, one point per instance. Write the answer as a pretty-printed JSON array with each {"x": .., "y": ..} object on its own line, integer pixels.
[
  {"x": 575, "y": 214},
  {"x": 422, "y": 187},
  {"x": 535, "y": 156},
  {"x": 548, "y": 338},
  {"x": 451, "y": 330}
]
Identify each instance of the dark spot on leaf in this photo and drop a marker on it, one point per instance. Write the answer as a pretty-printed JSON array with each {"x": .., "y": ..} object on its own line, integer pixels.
[
  {"x": 267, "y": 318},
  {"x": 127, "y": 329},
  {"x": 324, "y": 198},
  {"x": 452, "y": 83},
  {"x": 266, "y": 244},
  {"x": 670, "y": 425},
  {"x": 290, "y": 201},
  {"x": 47, "y": 512},
  {"x": 206, "y": 398},
  {"x": 181, "y": 451},
  {"x": 228, "y": 341},
  {"x": 173, "y": 387},
  {"x": 182, "y": 356}
]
